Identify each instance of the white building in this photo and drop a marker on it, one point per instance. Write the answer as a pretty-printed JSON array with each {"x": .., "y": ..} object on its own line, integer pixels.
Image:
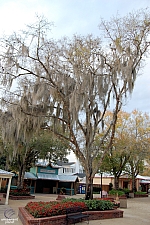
[{"x": 70, "y": 168}]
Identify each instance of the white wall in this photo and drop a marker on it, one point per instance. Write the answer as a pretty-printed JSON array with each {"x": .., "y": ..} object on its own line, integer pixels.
[{"x": 77, "y": 168}]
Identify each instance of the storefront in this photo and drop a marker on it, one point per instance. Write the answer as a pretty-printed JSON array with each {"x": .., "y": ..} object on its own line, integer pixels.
[{"x": 49, "y": 182}]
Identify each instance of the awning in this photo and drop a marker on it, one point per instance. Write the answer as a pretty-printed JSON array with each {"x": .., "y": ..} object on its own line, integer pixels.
[
  {"x": 145, "y": 182},
  {"x": 5, "y": 174},
  {"x": 143, "y": 177},
  {"x": 45, "y": 176},
  {"x": 68, "y": 178},
  {"x": 105, "y": 180},
  {"x": 61, "y": 178},
  {"x": 29, "y": 175}
]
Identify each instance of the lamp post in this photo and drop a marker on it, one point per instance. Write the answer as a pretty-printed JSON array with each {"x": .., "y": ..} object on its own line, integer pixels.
[{"x": 101, "y": 184}]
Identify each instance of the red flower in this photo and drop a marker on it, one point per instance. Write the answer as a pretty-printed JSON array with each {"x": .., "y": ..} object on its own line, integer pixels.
[{"x": 44, "y": 209}]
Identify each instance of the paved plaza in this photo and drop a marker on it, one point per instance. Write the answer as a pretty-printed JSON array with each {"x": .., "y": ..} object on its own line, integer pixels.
[{"x": 136, "y": 213}]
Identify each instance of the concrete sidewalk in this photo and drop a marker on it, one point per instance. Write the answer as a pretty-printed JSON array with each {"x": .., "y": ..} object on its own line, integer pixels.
[{"x": 137, "y": 212}]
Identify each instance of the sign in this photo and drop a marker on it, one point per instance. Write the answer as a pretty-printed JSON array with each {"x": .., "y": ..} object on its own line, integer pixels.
[{"x": 47, "y": 171}]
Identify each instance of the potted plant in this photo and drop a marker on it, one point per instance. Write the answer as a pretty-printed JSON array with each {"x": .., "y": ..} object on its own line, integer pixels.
[
  {"x": 63, "y": 191},
  {"x": 60, "y": 195}
]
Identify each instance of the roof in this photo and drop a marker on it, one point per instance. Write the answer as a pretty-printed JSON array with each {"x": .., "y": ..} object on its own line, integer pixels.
[
  {"x": 145, "y": 182},
  {"x": 104, "y": 174},
  {"x": 29, "y": 175},
  {"x": 5, "y": 174},
  {"x": 44, "y": 163},
  {"x": 80, "y": 175},
  {"x": 68, "y": 178},
  {"x": 143, "y": 177},
  {"x": 45, "y": 176},
  {"x": 60, "y": 163}
]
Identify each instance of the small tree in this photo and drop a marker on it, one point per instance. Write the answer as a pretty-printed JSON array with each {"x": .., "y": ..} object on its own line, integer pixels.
[
  {"x": 139, "y": 131},
  {"x": 118, "y": 155},
  {"x": 130, "y": 147},
  {"x": 49, "y": 147}
]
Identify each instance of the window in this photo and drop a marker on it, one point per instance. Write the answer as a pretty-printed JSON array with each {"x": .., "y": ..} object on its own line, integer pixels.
[{"x": 68, "y": 170}]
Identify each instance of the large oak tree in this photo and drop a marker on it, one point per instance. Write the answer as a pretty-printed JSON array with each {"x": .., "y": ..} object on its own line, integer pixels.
[{"x": 72, "y": 83}]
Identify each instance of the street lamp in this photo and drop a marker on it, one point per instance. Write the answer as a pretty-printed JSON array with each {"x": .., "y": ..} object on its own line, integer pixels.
[
  {"x": 101, "y": 184},
  {"x": 101, "y": 174}
]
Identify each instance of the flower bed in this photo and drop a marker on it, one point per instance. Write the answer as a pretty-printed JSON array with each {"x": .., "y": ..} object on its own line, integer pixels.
[
  {"x": 53, "y": 208},
  {"x": 54, "y": 212},
  {"x": 19, "y": 194}
]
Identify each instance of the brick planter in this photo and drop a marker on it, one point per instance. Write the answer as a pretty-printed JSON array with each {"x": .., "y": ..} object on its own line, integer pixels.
[
  {"x": 106, "y": 199},
  {"x": 140, "y": 195},
  {"x": 13, "y": 197},
  {"x": 60, "y": 197},
  {"x": 27, "y": 219}
]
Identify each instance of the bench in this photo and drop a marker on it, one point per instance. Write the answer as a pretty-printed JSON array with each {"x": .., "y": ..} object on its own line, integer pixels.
[{"x": 74, "y": 214}]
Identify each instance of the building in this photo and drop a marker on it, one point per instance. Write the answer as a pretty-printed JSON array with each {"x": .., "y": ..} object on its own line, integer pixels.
[
  {"x": 125, "y": 181},
  {"x": 45, "y": 177}
]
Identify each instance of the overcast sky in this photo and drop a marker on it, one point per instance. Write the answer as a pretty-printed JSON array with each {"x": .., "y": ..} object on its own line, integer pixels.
[{"x": 77, "y": 17}]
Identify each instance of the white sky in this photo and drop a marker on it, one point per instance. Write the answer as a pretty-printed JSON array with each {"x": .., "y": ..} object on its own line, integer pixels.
[{"x": 77, "y": 17}]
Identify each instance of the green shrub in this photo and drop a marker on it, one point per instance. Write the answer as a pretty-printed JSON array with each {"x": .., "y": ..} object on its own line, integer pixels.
[
  {"x": 99, "y": 205},
  {"x": 140, "y": 193},
  {"x": 114, "y": 192},
  {"x": 3, "y": 190},
  {"x": 126, "y": 190},
  {"x": 94, "y": 204},
  {"x": 95, "y": 192}
]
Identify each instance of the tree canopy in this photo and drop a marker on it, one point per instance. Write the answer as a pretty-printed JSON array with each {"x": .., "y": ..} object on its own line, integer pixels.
[
  {"x": 22, "y": 151},
  {"x": 49, "y": 147}
]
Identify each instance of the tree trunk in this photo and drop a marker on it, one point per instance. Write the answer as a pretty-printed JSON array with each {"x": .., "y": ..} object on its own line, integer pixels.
[
  {"x": 116, "y": 183},
  {"x": 20, "y": 182},
  {"x": 133, "y": 183},
  {"x": 89, "y": 188},
  {"x": 133, "y": 178}
]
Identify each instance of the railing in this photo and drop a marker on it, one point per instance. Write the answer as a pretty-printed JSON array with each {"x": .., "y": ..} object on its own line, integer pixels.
[
  {"x": 67, "y": 191},
  {"x": 12, "y": 187}
]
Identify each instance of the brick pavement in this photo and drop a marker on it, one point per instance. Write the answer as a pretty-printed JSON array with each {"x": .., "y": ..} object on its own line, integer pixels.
[{"x": 137, "y": 212}]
